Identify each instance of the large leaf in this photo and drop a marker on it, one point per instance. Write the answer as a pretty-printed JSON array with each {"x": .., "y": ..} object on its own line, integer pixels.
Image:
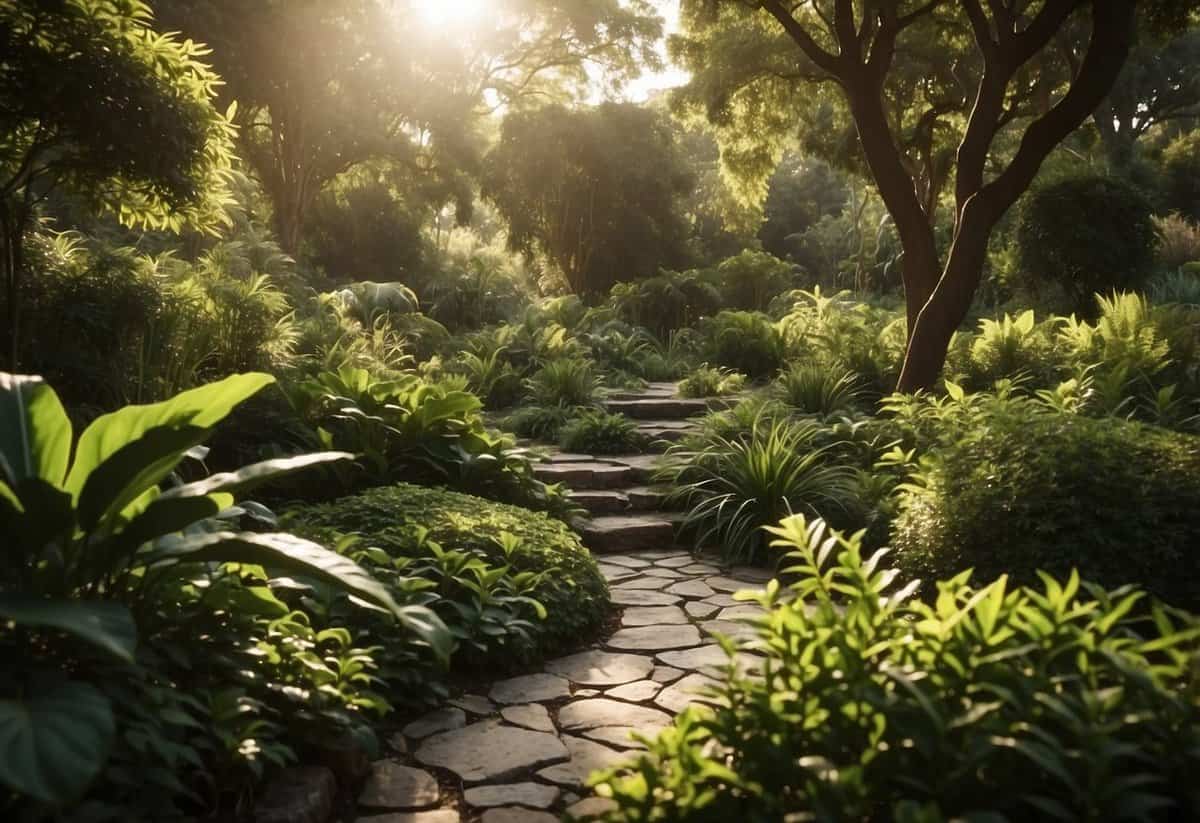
[
  {"x": 139, "y": 465},
  {"x": 201, "y": 407},
  {"x": 288, "y": 553},
  {"x": 249, "y": 477},
  {"x": 56, "y": 742},
  {"x": 35, "y": 434},
  {"x": 108, "y": 626}
]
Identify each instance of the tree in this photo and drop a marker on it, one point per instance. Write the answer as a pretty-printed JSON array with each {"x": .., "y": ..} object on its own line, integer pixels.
[
  {"x": 326, "y": 85},
  {"x": 94, "y": 101},
  {"x": 596, "y": 190},
  {"x": 966, "y": 98}
]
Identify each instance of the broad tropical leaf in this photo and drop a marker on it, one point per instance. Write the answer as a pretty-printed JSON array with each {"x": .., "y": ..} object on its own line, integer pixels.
[
  {"x": 55, "y": 743},
  {"x": 249, "y": 477},
  {"x": 108, "y": 626},
  {"x": 35, "y": 434}
]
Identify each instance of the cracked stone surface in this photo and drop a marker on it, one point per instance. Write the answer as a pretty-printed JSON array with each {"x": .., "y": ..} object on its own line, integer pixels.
[
  {"x": 665, "y": 674},
  {"x": 701, "y": 610},
  {"x": 643, "y": 597},
  {"x": 599, "y": 668},
  {"x": 530, "y": 688},
  {"x": 683, "y": 693},
  {"x": 488, "y": 751},
  {"x": 656, "y": 638},
  {"x": 691, "y": 588},
  {"x": 393, "y": 786}
]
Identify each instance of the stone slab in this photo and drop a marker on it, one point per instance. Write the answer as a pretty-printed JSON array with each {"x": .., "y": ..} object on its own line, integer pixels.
[
  {"x": 532, "y": 795},
  {"x": 655, "y": 638},
  {"x": 442, "y": 720},
  {"x": 601, "y": 711},
  {"x": 600, "y": 668},
  {"x": 642, "y": 597},
  {"x": 531, "y": 716},
  {"x": 653, "y": 616},
  {"x": 488, "y": 751},
  {"x": 391, "y": 785},
  {"x": 530, "y": 688},
  {"x": 639, "y": 691}
]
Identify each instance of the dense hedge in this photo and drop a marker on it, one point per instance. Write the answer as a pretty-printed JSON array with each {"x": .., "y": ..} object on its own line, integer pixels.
[
  {"x": 572, "y": 589},
  {"x": 1014, "y": 489}
]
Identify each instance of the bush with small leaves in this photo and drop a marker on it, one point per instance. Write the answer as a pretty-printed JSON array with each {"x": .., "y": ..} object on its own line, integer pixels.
[
  {"x": 748, "y": 342},
  {"x": 991, "y": 702}
]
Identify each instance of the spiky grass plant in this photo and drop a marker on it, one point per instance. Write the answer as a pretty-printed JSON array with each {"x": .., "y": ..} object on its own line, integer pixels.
[{"x": 814, "y": 388}]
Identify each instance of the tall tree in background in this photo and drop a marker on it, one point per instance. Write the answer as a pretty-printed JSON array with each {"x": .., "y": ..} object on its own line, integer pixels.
[
  {"x": 596, "y": 190},
  {"x": 95, "y": 102},
  {"x": 966, "y": 97}
]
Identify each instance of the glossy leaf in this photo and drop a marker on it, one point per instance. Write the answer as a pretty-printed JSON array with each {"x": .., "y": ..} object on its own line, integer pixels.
[{"x": 249, "y": 477}]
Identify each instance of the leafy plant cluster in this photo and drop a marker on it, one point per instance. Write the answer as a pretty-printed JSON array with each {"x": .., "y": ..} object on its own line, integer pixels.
[
  {"x": 161, "y": 645},
  {"x": 857, "y": 700}
]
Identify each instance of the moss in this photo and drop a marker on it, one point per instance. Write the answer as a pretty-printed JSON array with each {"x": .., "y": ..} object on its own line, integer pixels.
[{"x": 572, "y": 589}]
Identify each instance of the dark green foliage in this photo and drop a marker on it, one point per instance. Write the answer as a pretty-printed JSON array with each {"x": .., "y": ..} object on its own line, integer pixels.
[
  {"x": 991, "y": 703},
  {"x": 1181, "y": 175},
  {"x": 570, "y": 586},
  {"x": 1089, "y": 235},
  {"x": 363, "y": 231},
  {"x": 744, "y": 341},
  {"x": 539, "y": 422},
  {"x": 595, "y": 432},
  {"x": 596, "y": 190},
  {"x": 668, "y": 301},
  {"x": 1007, "y": 488},
  {"x": 751, "y": 279}
]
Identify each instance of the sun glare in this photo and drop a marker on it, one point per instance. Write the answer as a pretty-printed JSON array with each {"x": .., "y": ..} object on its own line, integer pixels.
[{"x": 449, "y": 13}]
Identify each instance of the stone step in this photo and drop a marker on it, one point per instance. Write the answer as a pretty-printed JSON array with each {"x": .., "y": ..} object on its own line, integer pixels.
[
  {"x": 601, "y": 501},
  {"x": 647, "y": 498},
  {"x": 616, "y": 533},
  {"x": 586, "y": 475},
  {"x": 654, "y": 408},
  {"x": 642, "y": 466}
]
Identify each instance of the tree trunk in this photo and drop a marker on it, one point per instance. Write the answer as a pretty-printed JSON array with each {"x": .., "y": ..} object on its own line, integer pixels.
[{"x": 12, "y": 230}]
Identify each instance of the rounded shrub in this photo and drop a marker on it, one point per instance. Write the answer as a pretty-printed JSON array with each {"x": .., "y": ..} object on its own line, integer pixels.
[
  {"x": 597, "y": 432},
  {"x": 1181, "y": 175},
  {"x": 570, "y": 585},
  {"x": 1088, "y": 235},
  {"x": 1011, "y": 489},
  {"x": 996, "y": 702}
]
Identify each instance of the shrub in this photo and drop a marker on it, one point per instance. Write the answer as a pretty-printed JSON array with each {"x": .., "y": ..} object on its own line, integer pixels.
[
  {"x": 747, "y": 342},
  {"x": 751, "y": 279},
  {"x": 569, "y": 583},
  {"x": 1089, "y": 235},
  {"x": 1011, "y": 489},
  {"x": 992, "y": 703},
  {"x": 813, "y": 388},
  {"x": 1011, "y": 347},
  {"x": 731, "y": 488},
  {"x": 710, "y": 381},
  {"x": 666, "y": 302},
  {"x": 1178, "y": 241},
  {"x": 595, "y": 432},
  {"x": 540, "y": 422},
  {"x": 567, "y": 381}
]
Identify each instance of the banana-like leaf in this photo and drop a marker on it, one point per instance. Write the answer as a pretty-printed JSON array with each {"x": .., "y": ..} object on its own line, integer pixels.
[
  {"x": 202, "y": 407},
  {"x": 126, "y": 474},
  {"x": 288, "y": 553},
  {"x": 35, "y": 433},
  {"x": 249, "y": 477},
  {"x": 53, "y": 744},
  {"x": 108, "y": 626}
]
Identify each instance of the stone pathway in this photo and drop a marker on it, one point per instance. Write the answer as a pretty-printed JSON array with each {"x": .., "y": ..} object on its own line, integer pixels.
[{"x": 522, "y": 751}]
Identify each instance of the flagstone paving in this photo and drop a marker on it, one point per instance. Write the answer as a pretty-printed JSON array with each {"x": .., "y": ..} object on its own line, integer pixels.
[{"x": 521, "y": 750}]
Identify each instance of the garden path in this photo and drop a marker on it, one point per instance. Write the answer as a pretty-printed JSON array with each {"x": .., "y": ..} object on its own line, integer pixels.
[{"x": 520, "y": 750}]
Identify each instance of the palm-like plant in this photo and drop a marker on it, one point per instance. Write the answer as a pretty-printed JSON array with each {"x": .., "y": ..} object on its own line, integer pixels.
[
  {"x": 813, "y": 388},
  {"x": 732, "y": 488}
]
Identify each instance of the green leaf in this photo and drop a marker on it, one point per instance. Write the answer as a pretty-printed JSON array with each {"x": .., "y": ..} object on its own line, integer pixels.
[
  {"x": 296, "y": 555},
  {"x": 35, "y": 433},
  {"x": 248, "y": 477},
  {"x": 132, "y": 469},
  {"x": 202, "y": 407},
  {"x": 108, "y": 626},
  {"x": 54, "y": 744}
]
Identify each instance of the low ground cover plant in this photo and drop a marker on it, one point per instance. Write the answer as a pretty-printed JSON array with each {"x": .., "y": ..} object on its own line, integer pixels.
[
  {"x": 711, "y": 381},
  {"x": 597, "y": 432}
]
